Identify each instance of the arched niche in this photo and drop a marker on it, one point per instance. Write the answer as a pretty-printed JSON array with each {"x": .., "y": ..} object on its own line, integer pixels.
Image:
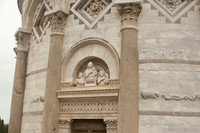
[{"x": 92, "y": 49}]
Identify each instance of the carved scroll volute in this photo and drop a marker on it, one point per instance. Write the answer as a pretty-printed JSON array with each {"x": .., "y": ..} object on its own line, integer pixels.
[
  {"x": 57, "y": 20},
  {"x": 129, "y": 14},
  {"x": 23, "y": 41}
]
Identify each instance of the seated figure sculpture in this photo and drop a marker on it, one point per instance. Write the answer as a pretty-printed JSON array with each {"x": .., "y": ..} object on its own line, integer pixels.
[
  {"x": 90, "y": 74},
  {"x": 80, "y": 80},
  {"x": 103, "y": 78}
]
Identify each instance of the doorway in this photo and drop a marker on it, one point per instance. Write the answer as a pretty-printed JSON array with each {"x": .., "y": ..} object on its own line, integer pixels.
[{"x": 88, "y": 126}]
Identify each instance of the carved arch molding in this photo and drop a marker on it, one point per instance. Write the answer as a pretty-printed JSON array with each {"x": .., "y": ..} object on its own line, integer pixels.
[{"x": 98, "y": 51}]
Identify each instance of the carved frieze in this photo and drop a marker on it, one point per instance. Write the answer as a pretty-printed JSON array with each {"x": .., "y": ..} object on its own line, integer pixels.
[
  {"x": 90, "y": 106},
  {"x": 156, "y": 95}
]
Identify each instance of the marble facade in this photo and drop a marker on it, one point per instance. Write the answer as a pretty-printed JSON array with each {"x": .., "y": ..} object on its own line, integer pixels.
[{"x": 126, "y": 65}]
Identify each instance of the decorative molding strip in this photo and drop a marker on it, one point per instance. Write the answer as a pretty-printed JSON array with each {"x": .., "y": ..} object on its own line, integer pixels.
[
  {"x": 33, "y": 113},
  {"x": 156, "y": 95},
  {"x": 175, "y": 61},
  {"x": 36, "y": 72},
  {"x": 95, "y": 106},
  {"x": 165, "y": 113}
]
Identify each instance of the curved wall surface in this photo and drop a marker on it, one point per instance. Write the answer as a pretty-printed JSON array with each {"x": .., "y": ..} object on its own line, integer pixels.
[{"x": 169, "y": 59}]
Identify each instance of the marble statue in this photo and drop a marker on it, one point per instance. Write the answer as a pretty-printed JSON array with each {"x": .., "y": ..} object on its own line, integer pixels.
[
  {"x": 103, "y": 78},
  {"x": 90, "y": 72},
  {"x": 80, "y": 79}
]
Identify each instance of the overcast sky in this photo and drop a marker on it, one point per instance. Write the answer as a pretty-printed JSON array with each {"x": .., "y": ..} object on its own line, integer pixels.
[{"x": 10, "y": 21}]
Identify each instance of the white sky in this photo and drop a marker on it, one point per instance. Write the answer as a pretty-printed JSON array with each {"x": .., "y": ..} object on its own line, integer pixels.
[{"x": 10, "y": 21}]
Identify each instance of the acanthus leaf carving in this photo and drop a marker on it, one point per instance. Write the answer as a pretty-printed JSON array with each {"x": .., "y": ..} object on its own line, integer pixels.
[
  {"x": 129, "y": 14},
  {"x": 57, "y": 20}
]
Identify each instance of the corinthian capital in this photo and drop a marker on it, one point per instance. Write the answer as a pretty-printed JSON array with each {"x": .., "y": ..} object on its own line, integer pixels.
[
  {"x": 22, "y": 37},
  {"x": 129, "y": 12},
  {"x": 65, "y": 123},
  {"x": 57, "y": 19}
]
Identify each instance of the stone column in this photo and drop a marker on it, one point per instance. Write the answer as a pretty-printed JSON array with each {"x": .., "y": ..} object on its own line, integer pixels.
[
  {"x": 128, "y": 118},
  {"x": 23, "y": 41},
  {"x": 111, "y": 125},
  {"x": 65, "y": 125},
  {"x": 51, "y": 105}
]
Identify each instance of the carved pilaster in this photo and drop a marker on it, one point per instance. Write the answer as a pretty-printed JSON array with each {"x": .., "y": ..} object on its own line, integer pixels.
[
  {"x": 57, "y": 19},
  {"x": 129, "y": 14}
]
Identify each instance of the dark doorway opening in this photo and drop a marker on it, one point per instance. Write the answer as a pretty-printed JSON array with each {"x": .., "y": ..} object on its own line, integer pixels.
[{"x": 88, "y": 126}]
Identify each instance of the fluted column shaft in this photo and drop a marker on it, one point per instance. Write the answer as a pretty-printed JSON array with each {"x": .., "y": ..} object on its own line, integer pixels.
[
  {"x": 128, "y": 118},
  {"x": 23, "y": 39},
  {"x": 51, "y": 105}
]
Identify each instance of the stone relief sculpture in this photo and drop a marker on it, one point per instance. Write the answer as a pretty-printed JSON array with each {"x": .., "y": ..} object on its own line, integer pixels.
[
  {"x": 150, "y": 95},
  {"x": 155, "y": 95},
  {"x": 80, "y": 80},
  {"x": 91, "y": 77},
  {"x": 103, "y": 78},
  {"x": 90, "y": 72}
]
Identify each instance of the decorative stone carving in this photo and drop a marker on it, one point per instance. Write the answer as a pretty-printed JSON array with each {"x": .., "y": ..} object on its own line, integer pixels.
[
  {"x": 150, "y": 94},
  {"x": 38, "y": 99},
  {"x": 91, "y": 11},
  {"x": 23, "y": 40},
  {"x": 91, "y": 77},
  {"x": 65, "y": 123},
  {"x": 95, "y": 7},
  {"x": 103, "y": 78},
  {"x": 171, "y": 4},
  {"x": 80, "y": 80},
  {"x": 91, "y": 72},
  {"x": 90, "y": 106},
  {"x": 155, "y": 95},
  {"x": 111, "y": 124},
  {"x": 173, "y": 10},
  {"x": 129, "y": 14},
  {"x": 57, "y": 19}
]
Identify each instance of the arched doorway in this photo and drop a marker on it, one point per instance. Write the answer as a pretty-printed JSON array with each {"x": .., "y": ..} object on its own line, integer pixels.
[{"x": 88, "y": 126}]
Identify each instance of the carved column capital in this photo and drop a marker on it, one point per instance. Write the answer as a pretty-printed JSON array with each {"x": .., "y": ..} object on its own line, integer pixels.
[
  {"x": 22, "y": 37},
  {"x": 129, "y": 14},
  {"x": 65, "y": 123},
  {"x": 57, "y": 19},
  {"x": 111, "y": 124}
]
